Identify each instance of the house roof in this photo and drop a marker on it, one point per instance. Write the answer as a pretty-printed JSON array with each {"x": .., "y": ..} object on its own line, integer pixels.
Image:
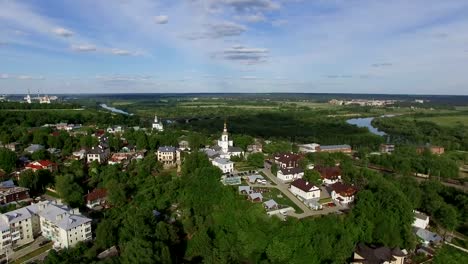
[
  {"x": 343, "y": 189},
  {"x": 253, "y": 178},
  {"x": 304, "y": 185},
  {"x": 333, "y": 147},
  {"x": 245, "y": 188},
  {"x": 97, "y": 193},
  {"x": 96, "y": 150},
  {"x": 40, "y": 164},
  {"x": 421, "y": 216},
  {"x": 328, "y": 172},
  {"x": 166, "y": 149},
  {"x": 34, "y": 148},
  {"x": 234, "y": 149},
  {"x": 270, "y": 203},
  {"x": 254, "y": 196},
  {"x": 287, "y": 157},
  {"x": 377, "y": 255},
  {"x": 222, "y": 161},
  {"x": 427, "y": 235},
  {"x": 289, "y": 171},
  {"x": 7, "y": 184}
]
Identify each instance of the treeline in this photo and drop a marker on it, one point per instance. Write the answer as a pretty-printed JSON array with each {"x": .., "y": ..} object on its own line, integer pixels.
[
  {"x": 413, "y": 132},
  {"x": 10, "y": 119},
  {"x": 406, "y": 161},
  {"x": 193, "y": 218},
  {"x": 290, "y": 127},
  {"x": 35, "y": 105}
]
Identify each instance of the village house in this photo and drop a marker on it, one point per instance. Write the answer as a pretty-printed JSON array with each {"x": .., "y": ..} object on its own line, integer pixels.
[
  {"x": 290, "y": 174},
  {"x": 255, "y": 197},
  {"x": 245, "y": 189},
  {"x": 421, "y": 220},
  {"x": 168, "y": 156},
  {"x": 10, "y": 193},
  {"x": 184, "y": 145},
  {"x": 256, "y": 147},
  {"x": 115, "y": 129},
  {"x": 336, "y": 148},
  {"x": 225, "y": 165},
  {"x": 342, "y": 193},
  {"x": 387, "y": 148},
  {"x": 53, "y": 220},
  {"x": 96, "y": 197},
  {"x": 287, "y": 160},
  {"x": 255, "y": 178},
  {"x": 427, "y": 237},
  {"x": 364, "y": 254},
  {"x": 329, "y": 175},
  {"x": 119, "y": 158},
  {"x": 79, "y": 154},
  {"x": 41, "y": 165},
  {"x": 270, "y": 205},
  {"x": 305, "y": 189},
  {"x": 11, "y": 146},
  {"x": 99, "y": 154},
  {"x": 436, "y": 150}
]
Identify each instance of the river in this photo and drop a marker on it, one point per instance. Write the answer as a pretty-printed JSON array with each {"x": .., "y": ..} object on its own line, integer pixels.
[
  {"x": 367, "y": 122},
  {"x": 113, "y": 109}
]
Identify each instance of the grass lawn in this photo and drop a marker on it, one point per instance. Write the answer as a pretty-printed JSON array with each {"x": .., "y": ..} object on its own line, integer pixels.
[
  {"x": 325, "y": 200},
  {"x": 283, "y": 200},
  {"x": 448, "y": 121},
  {"x": 52, "y": 194},
  {"x": 33, "y": 254},
  {"x": 243, "y": 166}
]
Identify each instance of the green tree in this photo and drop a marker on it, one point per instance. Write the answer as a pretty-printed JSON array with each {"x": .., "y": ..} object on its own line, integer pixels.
[
  {"x": 312, "y": 176},
  {"x": 7, "y": 160},
  {"x": 256, "y": 160},
  {"x": 70, "y": 191}
]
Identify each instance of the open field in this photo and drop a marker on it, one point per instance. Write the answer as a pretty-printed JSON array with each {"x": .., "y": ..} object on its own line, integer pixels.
[{"x": 450, "y": 121}]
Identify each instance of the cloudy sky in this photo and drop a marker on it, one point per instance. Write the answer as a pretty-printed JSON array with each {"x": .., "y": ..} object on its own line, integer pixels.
[{"x": 353, "y": 46}]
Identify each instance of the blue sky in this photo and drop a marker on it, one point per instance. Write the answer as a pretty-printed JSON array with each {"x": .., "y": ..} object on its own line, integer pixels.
[{"x": 336, "y": 46}]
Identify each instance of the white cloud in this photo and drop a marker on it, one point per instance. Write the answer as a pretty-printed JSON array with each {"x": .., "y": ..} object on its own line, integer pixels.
[
  {"x": 84, "y": 48},
  {"x": 162, "y": 19},
  {"x": 253, "y": 18},
  {"x": 244, "y": 55},
  {"x": 63, "y": 32},
  {"x": 121, "y": 52}
]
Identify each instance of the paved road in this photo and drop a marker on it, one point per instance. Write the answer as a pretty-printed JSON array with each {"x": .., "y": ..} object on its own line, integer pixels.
[
  {"x": 455, "y": 246},
  {"x": 24, "y": 251},
  {"x": 39, "y": 257},
  {"x": 284, "y": 188}
]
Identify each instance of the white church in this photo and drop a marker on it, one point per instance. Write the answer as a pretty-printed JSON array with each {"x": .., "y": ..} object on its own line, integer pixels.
[
  {"x": 157, "y": 125},
  {"x": 225, "y": 148}
]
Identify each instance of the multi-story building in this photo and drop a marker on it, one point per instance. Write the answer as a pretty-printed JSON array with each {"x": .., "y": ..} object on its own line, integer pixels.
[
  {"x": 387, "y": 148},
  {"x": 224, "y": 165},
  {"x": 99, "y": 154},
  {"x": 168, "y": 156},
  {"x": 55, "y": 221},
  {"x": 287, "y": 160},
  {"x": 11, "y": 193}
]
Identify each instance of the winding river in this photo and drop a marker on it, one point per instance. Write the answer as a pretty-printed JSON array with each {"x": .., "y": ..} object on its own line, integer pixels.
[
  {"x": 367, "y": 122},
  {"x": 114, "y": 110}
]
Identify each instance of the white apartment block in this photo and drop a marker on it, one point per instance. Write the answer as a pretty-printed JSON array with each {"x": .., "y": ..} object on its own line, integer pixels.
[{"x": 53, "y": 220}]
